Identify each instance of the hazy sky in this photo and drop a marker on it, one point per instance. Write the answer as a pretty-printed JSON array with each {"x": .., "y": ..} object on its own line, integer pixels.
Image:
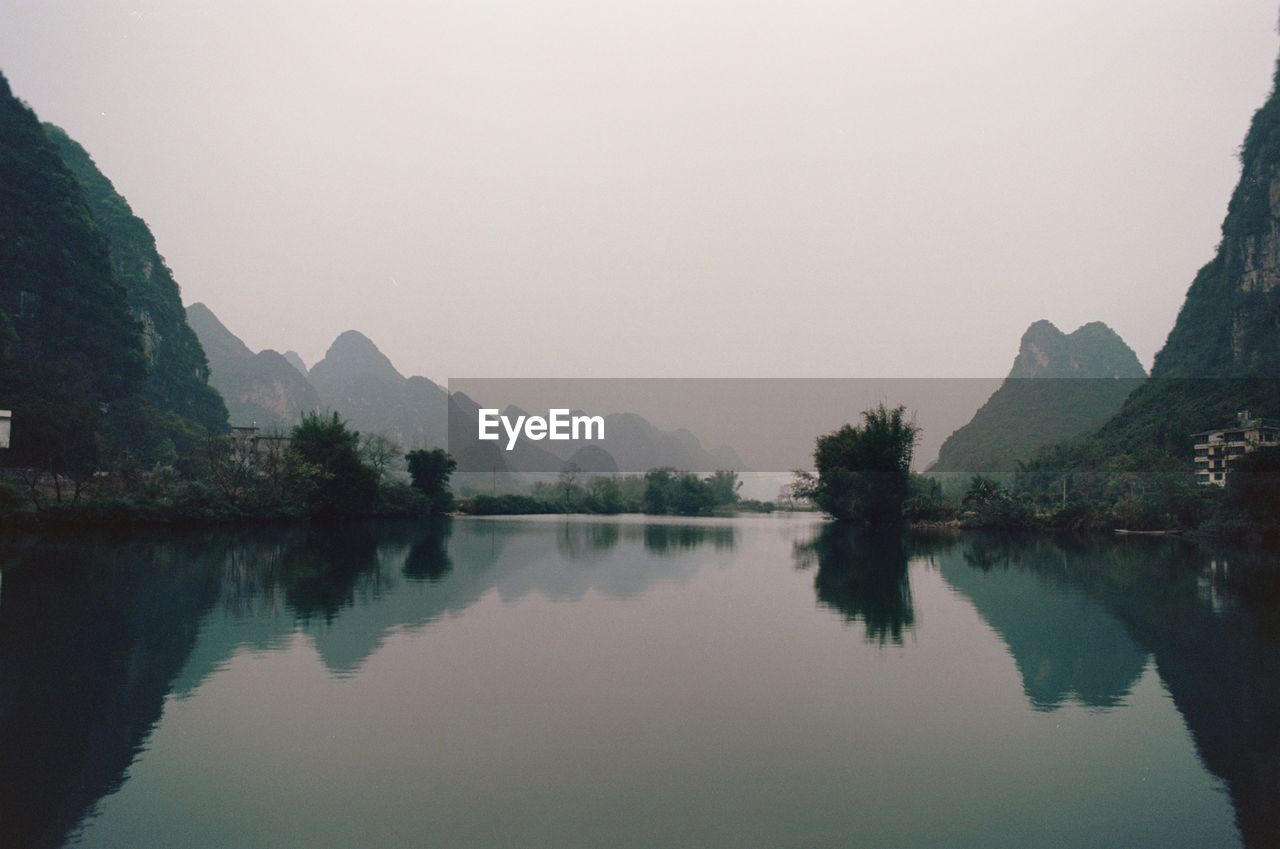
[{"x": 653, "y": 188}]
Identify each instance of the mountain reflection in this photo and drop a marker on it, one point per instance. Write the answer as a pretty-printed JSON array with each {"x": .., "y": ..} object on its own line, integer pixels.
[
  {"x": 96, "y": 630},
  {"x": 1066, "y": 645}
]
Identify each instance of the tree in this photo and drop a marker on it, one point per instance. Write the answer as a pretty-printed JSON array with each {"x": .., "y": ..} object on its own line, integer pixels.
[
  {"x": 430, "y": 471},
  {"x": 657, "y": 491},
  {"x": 691, "y": 496},
  {"x": 682, "y": 493},
  {"x": 606, "y": 496},
  {"x": 724, "y": 486},
  {"x": 379, "y": 452},
  {"x": 983, "y": 491},
  {"x": 925, "y": 501},
  {"x": 1253, "y": 490},
  {"x": 864, "y": 471},
  {"x": 343, "y": 483}
]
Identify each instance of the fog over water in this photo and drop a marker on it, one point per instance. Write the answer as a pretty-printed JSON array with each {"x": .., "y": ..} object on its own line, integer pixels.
[{"x": 567, "y": 188}]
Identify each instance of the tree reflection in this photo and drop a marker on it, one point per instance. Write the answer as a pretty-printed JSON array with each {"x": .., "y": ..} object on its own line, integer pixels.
[
  {"x": 580, "y": 540},
  {"x": 672, "y": 539},
  {"x": 862, "y": 575},
  {"x": 320, "y": 575},
  {"x": 429, "y": 554}
]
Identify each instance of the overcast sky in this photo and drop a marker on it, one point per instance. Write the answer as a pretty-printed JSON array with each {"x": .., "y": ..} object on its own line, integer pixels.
[{"x": 651, "y": 188}]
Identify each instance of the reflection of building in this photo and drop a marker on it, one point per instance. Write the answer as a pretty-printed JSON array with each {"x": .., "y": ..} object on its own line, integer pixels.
[
  {"x": 6, "y": 420},
  {"x": 1215, "y": 450}
]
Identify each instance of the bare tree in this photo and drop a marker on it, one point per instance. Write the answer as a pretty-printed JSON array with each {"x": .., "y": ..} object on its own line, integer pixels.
[{"x": 380, "y": 452}]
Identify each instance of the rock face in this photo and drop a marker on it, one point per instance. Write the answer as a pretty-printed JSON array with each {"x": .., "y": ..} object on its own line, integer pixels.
[
  {"x": 295, "y": 360},
  {"x": 261, "y": 387},
  {"x": 1061, "y": 386},
  {"x": 177, "y": 370},
  {"x": 1223, "y": 354},
  {"x": 1230, "y": 321},
  {"x": 1093, "y": 350}
]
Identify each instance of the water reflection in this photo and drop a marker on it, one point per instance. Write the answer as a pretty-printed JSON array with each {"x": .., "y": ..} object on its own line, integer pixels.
[
  {"x": 863, "y": 576},
  {"x": 664, "y": 539},
  {"x": 96, "y": 629},
  {"x": 1066, "y": 645},
  {"x": 91, "y": 634},
  {"x": 579, "y": 540},
  {"x": 428, "y": 558}
]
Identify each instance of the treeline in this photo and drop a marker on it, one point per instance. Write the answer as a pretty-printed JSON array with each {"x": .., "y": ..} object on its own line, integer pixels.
[
  {"x": 863, "y": 477},
  {"x": 659, "y": 492},
  {"x": 321, "y": 467}
]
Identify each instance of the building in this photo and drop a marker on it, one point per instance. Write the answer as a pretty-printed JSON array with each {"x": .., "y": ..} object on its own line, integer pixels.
[
  {"x": 254, "y": 445},
  {"x": 6, "y": 421},
  {"x": 1215, "y": 450}
]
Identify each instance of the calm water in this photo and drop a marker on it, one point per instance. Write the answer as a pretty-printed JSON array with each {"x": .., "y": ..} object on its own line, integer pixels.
[{"x": 756, "y": 682}]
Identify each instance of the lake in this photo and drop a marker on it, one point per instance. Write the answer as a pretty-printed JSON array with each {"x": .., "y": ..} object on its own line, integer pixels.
[{"x": 764, "y": 681}]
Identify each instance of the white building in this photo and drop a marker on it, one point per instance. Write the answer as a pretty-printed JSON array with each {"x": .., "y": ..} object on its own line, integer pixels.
[
  {"x": 1216, "y": 449},
  {"x": 6, "y": 420}
]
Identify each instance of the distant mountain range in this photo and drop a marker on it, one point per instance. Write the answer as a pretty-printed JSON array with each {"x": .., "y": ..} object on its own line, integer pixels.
[
  {"x": 361, "y": 384},
  {"x": 260, "y": 387},
  {"x": 98, "y": 355},
  {"x": 1061, "y": 386}
]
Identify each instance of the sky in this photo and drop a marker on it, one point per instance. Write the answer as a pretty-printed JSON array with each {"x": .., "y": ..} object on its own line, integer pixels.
[{"x": 651, "y": 189}]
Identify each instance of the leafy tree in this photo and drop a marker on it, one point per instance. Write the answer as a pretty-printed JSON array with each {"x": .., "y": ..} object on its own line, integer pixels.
[
  {"x": 1253, "y": 491},
  {"x": 657, "y": 491},
  {"x": 724, "y": 486},
  {"x": 55, "y": 423},
  {"x": 983, "y": 491},
  {"x": 925, "y": 501},
  {"x": 864, "y": 471},
  {"x": 691, "y": 496},
  {"x": 430, "y": 471},
  {"x": 605, "y": 496},
  {"x": 682, "y": 493},
  {"x": 343, "y": 483},
  {"x": 136, "y": 435}
]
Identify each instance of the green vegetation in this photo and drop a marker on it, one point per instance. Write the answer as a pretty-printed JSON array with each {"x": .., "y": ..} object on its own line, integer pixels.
[
  {"x": 57, "y": 285},
  {"x": 105, "y": 380},
  {"x": 659, "y": 492},
  {"x": 177, "y": 379},
  {"x": 1220, "y": 357},
  {"x": 340, "y": 481},
  {"x": 321, "y": 467},
  {"x": 864, "y": 472},
  {"x": 430, "y": 471},
  {"x": 1061, "y": 386}
]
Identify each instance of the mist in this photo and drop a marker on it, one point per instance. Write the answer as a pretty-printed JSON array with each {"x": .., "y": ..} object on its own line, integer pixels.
[{"x": 664, "y": 189}]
